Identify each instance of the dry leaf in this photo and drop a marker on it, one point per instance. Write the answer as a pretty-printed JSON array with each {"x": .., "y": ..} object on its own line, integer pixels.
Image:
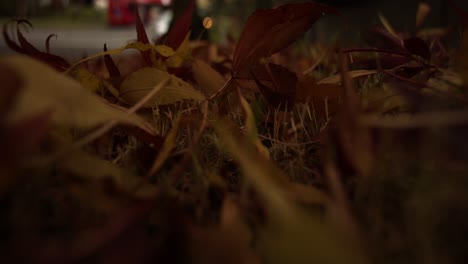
[
  {"x": 355, "y": 145},
  {"x": 208, "y": 80},
  {"x": 47, "y": 90},
  {"x": 290, "y": 235},
  {"x": 168, "y": 144},
  {"x": 88, "y": 80},
  {"x": 251, "y": 128},
  {"x": 140, "y": 82},
  {"x": 323, "y": 96},
  {"x": 267, "y": 31},
  {"x": 26, "y": 48},
  {"x": 335, "y": 79},
  {"x": 278, "y": 85}
]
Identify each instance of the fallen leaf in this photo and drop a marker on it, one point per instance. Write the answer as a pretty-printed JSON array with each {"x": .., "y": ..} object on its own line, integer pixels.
[
  {"x": 324, "y": 97},
  {"x": 140, "y": 82},
  {"x": 278, "y": 84},
  {"x": 267, "y": 31},
  {"x": 354, "y": 140},
  {"x": 386, "y": 24},
  {"x": 335, "y": 79},
  {"x": 57, "y": 62},
  {"x": 69, "y": 103},
  {"x": 88, "y": 80},
  {"x": 251, "y": 128},
  {"x": 290, "y": 234},
  {"x": 167, "y": 146},
  {"x": 208, "y": 80},
  {"x": 307, "y": 88},
  {"x": 162, "y": 50}
]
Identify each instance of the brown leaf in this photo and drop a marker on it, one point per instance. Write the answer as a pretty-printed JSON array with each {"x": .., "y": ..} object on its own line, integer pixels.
[
  {"x": 354, "y": 141},
  {"x": 324, "y": 96},
  {"x": 267, "y": 31},
  {"x": 209, "y": 81},
  {"x": 335, "y": 79},
  {"x": 139, "y": 83}
]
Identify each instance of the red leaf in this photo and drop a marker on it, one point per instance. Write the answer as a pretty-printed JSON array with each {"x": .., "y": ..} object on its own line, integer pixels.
[
  {"x": 143, "y": 38},
  {"x": 110, "y": 65},
  {"x": 10, "y": 43},
  {"x": 48, "y": 42},
  {"x": 27, "y": 48},
  {"x": 22, "y": 40},
  {"x": 278, "y": 86},
  {"x": 267, "y": 31},
  {"x": 181, "y": 27}
]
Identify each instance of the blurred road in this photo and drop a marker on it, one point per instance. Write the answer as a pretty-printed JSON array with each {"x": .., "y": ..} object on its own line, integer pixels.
[{"x": 73, "y": 44}]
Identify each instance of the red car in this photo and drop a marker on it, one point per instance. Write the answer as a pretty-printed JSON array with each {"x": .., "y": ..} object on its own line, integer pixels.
[{"x": 122, "y": 12}]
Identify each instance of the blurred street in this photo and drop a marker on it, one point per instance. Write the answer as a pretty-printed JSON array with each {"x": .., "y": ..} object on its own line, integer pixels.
[{"x": 73, "y": 44}]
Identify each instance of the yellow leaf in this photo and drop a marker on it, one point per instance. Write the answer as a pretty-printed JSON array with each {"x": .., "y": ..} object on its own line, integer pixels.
[
  {"x": 88, "y": 80},
  {"x": 164, "y": 50},
  {"x": 44, "y": 89},
  {"x": 184, "y": 50},
  {"x": 387, "y": 25},
  {"x": 140, "y": 82},
  {"x": 161, "y": 49},
  {"x": 175, "y": 61}
]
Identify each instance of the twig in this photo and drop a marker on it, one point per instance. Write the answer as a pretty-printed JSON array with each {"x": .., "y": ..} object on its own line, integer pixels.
[{"x": 220, "y": 91}]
